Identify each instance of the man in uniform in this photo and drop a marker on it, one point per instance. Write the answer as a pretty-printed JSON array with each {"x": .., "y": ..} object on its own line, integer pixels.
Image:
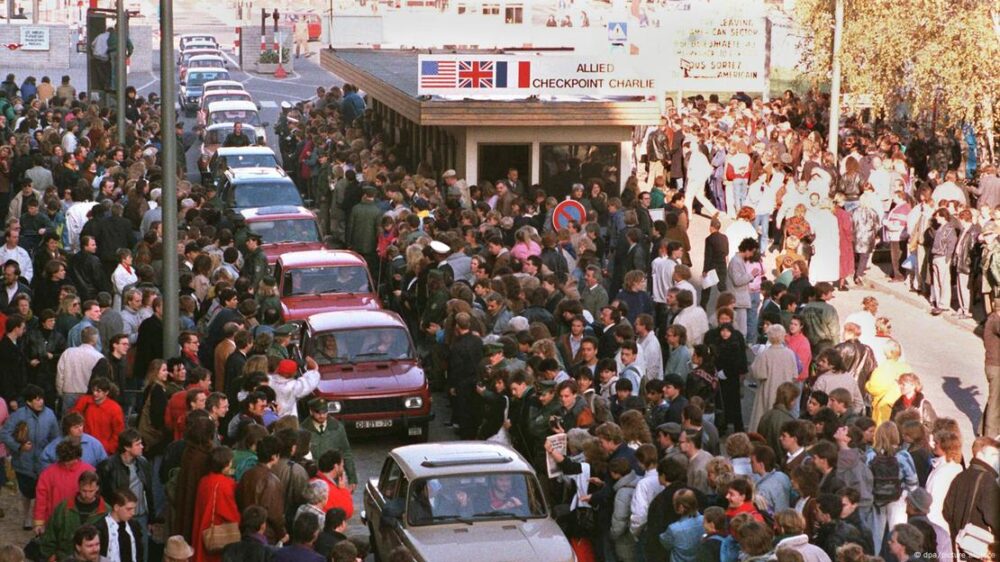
[
  {"x": 328, "y": 434},
  {"x": 255, "y": 264},
  {"x": 282, "y": 337}
]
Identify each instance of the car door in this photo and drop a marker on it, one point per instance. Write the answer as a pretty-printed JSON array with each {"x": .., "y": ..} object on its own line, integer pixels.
[{"x": 386, "y": 489}]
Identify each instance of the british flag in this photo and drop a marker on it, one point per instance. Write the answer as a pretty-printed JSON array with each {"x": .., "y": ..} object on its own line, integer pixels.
[{"x": 476, "y": 74}]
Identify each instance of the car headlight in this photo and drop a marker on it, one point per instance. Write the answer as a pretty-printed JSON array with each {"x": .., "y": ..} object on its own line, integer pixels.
[
  {"x": 334, "y": 407},
  {"x": 413, "y": 403}
]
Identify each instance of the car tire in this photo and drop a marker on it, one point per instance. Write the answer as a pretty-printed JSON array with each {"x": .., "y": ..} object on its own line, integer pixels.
[{"x": 424, "y": 434}]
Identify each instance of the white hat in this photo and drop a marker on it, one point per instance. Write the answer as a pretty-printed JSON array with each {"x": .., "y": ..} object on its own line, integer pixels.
[
  {"x": 440, "y": 247},
  {"x": 449, "y": 174},
  {"x": 188, "y": 203},
  {"x": 155, "y": 194},
  {"x": 286, "y": 105},
  {"x": 518, "y": 324}
]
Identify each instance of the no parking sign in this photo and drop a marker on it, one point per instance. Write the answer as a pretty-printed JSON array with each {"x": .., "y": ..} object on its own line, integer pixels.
[{"x": 567, "y": 211}]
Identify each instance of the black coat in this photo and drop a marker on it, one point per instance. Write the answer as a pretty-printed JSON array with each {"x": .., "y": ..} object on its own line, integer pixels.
[
  {"x": 249, "y": 549},
  {"x": 137, "y": 532},
  {"x": 15, "y": 369},
  {"x": 114, "y": 475},
  {"x": 113, "y": 233},
  {"x": 836, "y": 534},
  {"x": 522, "y": 411},
  {"x": 966, "y": 504},
  {"x": 464, "y": 356},
  {"x": 716, "y": 254},
  {"x": 661, "y": 514},
  {"x": 86, "y": 273},
  {"x": 148, "y": 345},
  {"x": 21, "y": 288}
]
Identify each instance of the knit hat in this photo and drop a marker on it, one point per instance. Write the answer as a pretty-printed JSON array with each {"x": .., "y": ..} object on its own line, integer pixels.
[{"x": 287, "y": 368}]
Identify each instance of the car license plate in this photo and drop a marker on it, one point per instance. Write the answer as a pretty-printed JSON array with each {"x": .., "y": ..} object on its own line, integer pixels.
[
  {"x": 415, "y": 431},
  {"x": 372, "y": 424}
]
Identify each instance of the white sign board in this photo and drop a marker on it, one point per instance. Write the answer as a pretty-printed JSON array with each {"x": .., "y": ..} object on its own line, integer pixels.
[
  {"x": 499, "y": 75},
  {"x": 721, "y": 53},
  {"x": 617, "y": 31},
  {"x": 34, "y": 38}
]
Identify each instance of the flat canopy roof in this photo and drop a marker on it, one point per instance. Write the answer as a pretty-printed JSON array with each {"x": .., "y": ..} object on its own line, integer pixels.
[{"x": 391, "y": 78}]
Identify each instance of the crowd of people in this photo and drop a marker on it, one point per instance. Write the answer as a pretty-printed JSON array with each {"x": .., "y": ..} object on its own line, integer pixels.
[{"x": 719, "y": 412}]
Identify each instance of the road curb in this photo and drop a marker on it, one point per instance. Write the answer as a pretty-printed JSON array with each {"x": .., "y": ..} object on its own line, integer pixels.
[{"x": 913, "y": 299}]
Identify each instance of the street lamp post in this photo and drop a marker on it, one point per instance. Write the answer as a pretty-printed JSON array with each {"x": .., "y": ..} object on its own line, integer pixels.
[
  {"x": 168, "y": 122},
  {"x": 838, "y": 30}
]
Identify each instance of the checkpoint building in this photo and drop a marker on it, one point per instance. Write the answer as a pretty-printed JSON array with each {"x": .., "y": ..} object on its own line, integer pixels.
[{"x": 553, "y": 141}]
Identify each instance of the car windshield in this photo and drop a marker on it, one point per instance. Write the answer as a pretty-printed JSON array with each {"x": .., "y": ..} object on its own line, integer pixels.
[
  {"x": 365, "y": 344},
  {"x": 234, "y": 115},
  {"x": 199, "y": 78},
  {"x": 206, "y": 63},
  {"x": 474, "y": 497},
  {"x": 264, "y": 160},
  {"x": 286, "y": 230},
  {"x": 263, "y": 194},
  {"x": 326, "y": 280},
  {"x": 217, "y": 136}
]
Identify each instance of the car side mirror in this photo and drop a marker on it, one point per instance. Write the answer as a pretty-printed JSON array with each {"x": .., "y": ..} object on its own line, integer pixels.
[{"x": 392, "y": 513}]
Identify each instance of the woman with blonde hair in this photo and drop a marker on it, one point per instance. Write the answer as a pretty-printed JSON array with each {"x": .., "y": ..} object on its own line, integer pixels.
[
  {"x": 634, "y": 429},
  {"x": 887, "y": 447},
  {"x": 525, "y": 244},
  {"x": 882, "y": 386}
]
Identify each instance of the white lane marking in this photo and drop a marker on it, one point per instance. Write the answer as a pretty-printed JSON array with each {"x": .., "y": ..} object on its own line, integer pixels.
[
  {"x": 148, "y": 84},
  {"x": 268, "y": 104}
]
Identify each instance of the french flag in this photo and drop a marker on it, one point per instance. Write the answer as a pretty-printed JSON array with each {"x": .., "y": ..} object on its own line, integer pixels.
[{"x": 513, "y": 74}]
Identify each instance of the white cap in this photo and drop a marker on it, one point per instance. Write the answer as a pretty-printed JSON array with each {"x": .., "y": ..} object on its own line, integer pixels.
[
  {"x": 449, "y": 174},
  {"x": 518, "y": 324},
  {"x": 155, "y": 194},
  {"x": 286, "y": 105},
  {"x": 440, "y": 247}
]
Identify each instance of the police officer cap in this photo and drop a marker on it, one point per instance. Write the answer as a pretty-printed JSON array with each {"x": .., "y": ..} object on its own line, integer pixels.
[
  {"x": 492, "y": 348},
  {"x": 546, "y": 385},
  {"x": 317, "y": 404},
  {"x": 286, "y": 105},
  {"x": 254, "y": 236},
  {"x": 440, "y": 247},
  {"x": 285, "y": 330}
]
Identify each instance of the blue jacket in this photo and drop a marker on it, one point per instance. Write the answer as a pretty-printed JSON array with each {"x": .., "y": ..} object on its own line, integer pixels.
[
  {"x": 42, "y": 429},
  {"x": 682, "y": 538},
  {"x": 93, "y": 451}
]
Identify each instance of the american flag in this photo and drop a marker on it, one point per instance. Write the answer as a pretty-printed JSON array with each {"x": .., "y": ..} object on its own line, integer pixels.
[
  {"x": 438, "y": 74},
  {"x": 475, "y": 74}
]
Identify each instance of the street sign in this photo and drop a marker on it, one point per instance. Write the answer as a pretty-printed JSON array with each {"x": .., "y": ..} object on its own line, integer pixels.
[
  {"x": 617, "y": 31},
  {"x": 567, "y": 211}
]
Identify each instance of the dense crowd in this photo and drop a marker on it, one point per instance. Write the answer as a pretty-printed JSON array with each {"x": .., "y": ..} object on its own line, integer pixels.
[{"x": 724, "y": 412}]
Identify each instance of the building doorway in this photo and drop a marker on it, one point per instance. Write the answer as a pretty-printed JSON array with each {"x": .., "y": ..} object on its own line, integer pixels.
[{"x": 496, "y": 159}]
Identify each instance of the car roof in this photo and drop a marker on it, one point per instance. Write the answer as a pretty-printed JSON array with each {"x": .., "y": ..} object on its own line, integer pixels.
[
  {"x": 277, "y": 212},
  {"x": 230, "y": 105},
  {"x": 217, "y": 126},
  {"x": 227, "y": 93},
  {"x": 205, "y": 70},
  {"x": 207, "y": 57},
  {"x": 237, "y": 150},
  {"x": 321, "y": 257},
  {"x": 227, "y": 83},
  {"x": 357, "y": 319},
  {"x": 456, "y": 457},
  {"x": 196, "y": 35},
  {"x": 257, "y": 174},
  {"x": 200, "y": 51}
]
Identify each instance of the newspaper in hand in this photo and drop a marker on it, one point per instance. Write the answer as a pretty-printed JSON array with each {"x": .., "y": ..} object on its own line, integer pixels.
[{"x": 558, "y": 442}]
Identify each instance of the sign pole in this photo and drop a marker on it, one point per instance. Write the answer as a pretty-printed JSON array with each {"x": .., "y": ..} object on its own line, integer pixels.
[
  {"x": 121, "y": 79},
  {"x": 168, "y": 122},
  {"x": 838, "y": 31}
]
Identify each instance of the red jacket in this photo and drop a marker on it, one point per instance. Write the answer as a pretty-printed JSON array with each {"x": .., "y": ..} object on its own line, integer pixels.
[
  {"x": 105, "y": 421},
  {"x": 217, "y": 497},
  {"x": 746, "y": 507},
  {"x": 336, "y": 496},
  {"x": 56, "y": 484},
  {"x": 176, "y": 408}
]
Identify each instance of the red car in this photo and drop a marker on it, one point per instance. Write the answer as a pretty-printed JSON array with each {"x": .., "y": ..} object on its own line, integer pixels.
[
  {"x": 322, "y": 281},
  {"x": 369, "y": 373},
  {"x": 283, "y": 229}
]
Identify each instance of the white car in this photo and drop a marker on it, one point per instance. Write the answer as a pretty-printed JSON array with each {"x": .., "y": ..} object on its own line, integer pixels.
[
  {"x": 219, "y": 95},
  {"x": 216, "y": 134},
  {"x": 223, "y": 85},
  {"x": 202, "y": 38},
  {"x": 203, "y": 61},
  {"x": 240, "y": 111}
]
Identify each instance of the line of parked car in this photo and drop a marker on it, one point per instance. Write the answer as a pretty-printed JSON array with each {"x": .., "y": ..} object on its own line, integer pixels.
[
  {"x": 371, "y": 376},
  {"x": 427, "y": 496}
]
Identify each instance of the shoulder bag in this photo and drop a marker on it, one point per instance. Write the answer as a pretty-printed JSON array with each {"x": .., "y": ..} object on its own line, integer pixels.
[
  {"x": 974, "y": 541},
  {"x": 217, "y": 537}
]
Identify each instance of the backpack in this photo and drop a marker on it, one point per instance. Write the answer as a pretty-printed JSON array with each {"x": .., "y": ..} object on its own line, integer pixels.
[{"x": 887, "y": 486}]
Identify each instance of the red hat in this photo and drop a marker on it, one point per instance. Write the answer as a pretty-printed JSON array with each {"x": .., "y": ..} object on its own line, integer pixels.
[{"x": 287, "y": 367}]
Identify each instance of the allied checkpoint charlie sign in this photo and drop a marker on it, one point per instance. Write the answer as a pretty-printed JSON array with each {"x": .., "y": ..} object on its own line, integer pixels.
[{"x": 499, "y": 75}]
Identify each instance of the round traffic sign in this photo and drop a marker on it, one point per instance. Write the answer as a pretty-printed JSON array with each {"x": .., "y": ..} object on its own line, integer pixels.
[{"x": 567, "y": 211}]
